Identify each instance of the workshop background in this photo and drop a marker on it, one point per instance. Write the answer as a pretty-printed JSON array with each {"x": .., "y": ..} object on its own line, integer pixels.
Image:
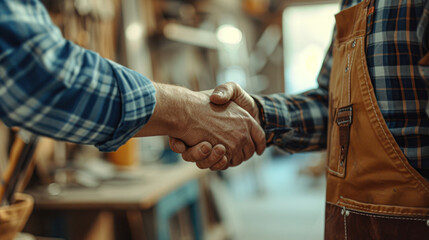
[{"x": 144, "y": 190}]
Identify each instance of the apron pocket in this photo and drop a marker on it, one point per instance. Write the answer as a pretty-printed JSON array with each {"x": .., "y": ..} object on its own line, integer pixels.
[
  {"x": 372, "y": 221},
  {"x": 336, "y": 166}
]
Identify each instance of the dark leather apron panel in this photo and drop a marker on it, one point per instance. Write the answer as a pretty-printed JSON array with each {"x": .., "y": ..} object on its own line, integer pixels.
[
  {"x": 372, "y": 226},
  {"x": 334, "y": 223},
  {"x": 343, "y": 223}
]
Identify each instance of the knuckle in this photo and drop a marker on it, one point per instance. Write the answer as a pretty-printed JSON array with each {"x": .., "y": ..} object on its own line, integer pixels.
[
  {"x": 196, "y": 154},
  {"x": 233, "y": 146},
  {"x": 244, "y": 138},
  {"x": 214, "y": 157},
  {"x": 222, "y": 87},
  {"x": 233, "y": 85}
]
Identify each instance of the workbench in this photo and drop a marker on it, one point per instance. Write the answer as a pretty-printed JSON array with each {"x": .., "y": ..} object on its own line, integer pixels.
[{"x": 147, "y": 201}]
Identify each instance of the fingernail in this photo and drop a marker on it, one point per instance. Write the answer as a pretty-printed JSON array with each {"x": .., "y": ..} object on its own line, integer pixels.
[
  {"x": 219, "y": 151},
  {"x": 205, "y": 149},
  {"x": 177, "y": 148},
  {"x": 176, "y": 145},
  {"x": 219, "y": 93}
]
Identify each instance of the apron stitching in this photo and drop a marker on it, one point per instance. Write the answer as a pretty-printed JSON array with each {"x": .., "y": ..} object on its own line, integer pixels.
[
  {"x": 342, "y": 88},
  {"x": 379, "y": 122},
  {"x": 349, "y": 66},
  {"x": 339, "y": 156},
  {"x": 378, "y": 216},
  {"x": 380, "y": 211},
  {"x": 345, "y": 225},
  {"x": 336, "y": 173}
]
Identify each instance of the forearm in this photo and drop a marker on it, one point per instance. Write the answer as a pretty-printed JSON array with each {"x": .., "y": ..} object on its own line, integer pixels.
[{"x": 57, "y": 89}]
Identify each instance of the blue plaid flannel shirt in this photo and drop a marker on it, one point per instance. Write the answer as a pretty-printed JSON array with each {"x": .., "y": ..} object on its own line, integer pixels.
[
  {"x": 55, "y": 88},
  {"x": 398, "y": 40}
]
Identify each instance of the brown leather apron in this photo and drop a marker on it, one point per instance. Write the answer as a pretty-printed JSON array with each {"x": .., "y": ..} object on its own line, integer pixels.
[{"x": 373, "y": 192}]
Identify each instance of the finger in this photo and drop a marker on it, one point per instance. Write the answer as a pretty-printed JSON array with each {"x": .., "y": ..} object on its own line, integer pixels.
[
  {"x": 248, "y": 150},
  {"x": 226, "y": 165},
  {"x": 225, "y": 93},
  {"x": 221, "y": 165},
  {"x": 176, "y": 145},
  {"x": 215, "y": 156},
  {"x": 236, "y": 160},
  {"x": 258, "y": 137},
  {"x": 198, "y": 152}
]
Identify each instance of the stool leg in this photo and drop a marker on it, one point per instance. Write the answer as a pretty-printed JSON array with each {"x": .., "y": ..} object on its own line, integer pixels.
[
  {"x": 163, "y": 227},
  {"x": 196, "y": 219},
  {"x": 184, "y": 196}
]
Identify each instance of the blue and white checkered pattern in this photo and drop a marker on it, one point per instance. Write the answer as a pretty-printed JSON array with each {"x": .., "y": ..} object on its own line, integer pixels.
[
  {"x": 398, "y": 40},
  {"x": 55, "y": 88}
]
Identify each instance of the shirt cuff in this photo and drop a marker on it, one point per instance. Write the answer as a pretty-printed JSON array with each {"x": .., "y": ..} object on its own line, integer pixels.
[
  {"x": 138, "y": 103},
  {"x": 274, "y": 118}
]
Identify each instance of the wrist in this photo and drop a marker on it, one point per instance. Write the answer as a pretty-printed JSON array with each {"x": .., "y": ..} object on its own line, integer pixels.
[
  {"x": 175, "y": 112},
  {"x": 170, "y": 114}
]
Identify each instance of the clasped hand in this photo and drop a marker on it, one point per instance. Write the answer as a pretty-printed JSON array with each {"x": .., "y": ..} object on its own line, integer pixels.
[{"x": 231, "y": 125}]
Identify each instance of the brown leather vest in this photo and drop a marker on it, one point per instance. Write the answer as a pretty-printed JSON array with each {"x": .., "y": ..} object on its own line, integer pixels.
[{"x": 373, "y": 192}]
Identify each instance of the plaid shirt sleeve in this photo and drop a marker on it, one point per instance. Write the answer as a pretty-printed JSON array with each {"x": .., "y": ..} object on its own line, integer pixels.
[
  {"x": 298, "y": 123},
  {"x": 55, "y": 88}
]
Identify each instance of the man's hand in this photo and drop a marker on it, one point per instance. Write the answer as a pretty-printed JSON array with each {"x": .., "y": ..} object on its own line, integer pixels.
[
  {"x": 208, "y": 157},
  {"x": 201, "y": 153},
  {"x": 189, "y": 116},
  {"x": 230, "y": 91}
]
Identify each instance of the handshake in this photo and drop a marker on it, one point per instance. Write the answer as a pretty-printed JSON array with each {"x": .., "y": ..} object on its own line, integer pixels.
[{"x": 215, "y": 129}]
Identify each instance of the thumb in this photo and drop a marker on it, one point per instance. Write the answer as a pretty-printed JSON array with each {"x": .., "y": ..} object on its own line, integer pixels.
[
  {"x": 233, "y": 92},
  {"x": 224, "y": 93},
  {"x": 176, "y": 145}
]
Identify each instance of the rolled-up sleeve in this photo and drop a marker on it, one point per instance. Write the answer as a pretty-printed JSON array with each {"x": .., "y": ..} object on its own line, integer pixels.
[{"x": 55, "y": 88}]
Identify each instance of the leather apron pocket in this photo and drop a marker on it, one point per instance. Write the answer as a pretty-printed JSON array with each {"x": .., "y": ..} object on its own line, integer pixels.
[
  {"x": 340, "y": 107},
  {"x": 371, "y": 221},
  {"x": 335, "y": 166}
]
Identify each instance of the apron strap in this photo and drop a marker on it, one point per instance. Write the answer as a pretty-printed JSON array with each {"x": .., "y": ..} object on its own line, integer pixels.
[{"x": 344, "y": 120}]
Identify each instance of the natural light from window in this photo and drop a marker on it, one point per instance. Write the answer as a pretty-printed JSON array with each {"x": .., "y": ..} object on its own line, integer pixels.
[{"x": 307, "y": 35}]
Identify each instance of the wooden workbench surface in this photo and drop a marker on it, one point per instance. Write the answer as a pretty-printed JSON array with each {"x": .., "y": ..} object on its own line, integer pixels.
[{"x": 147, "y": 186}]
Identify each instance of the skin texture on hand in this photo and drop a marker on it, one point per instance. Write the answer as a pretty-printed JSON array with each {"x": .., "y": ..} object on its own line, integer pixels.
[
  {"x": 214, "y": 160},
  {"x": 192, "y": 118},
  {"x": 230, "y": 91}
]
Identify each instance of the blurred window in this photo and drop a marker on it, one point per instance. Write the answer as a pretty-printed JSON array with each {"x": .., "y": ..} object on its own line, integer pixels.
[{"x": 307, "y": 34}]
